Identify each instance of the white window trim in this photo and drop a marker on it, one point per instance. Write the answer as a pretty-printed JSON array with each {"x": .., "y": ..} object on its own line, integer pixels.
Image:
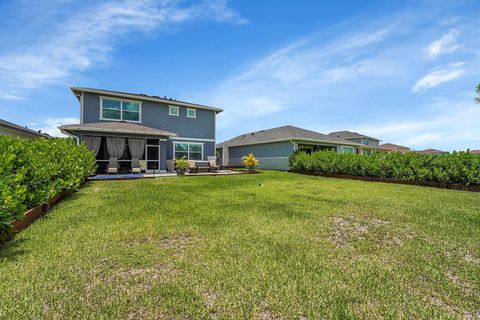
[
  {"x": 194, "y": 113},
  {"x": 173, "y": 114},
  {"x": 121, "y": 109},
  {"x": 188, "y": 150}
]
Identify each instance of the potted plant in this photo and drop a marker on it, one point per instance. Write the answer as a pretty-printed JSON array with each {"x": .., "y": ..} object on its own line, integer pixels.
[
  {"x": 250, "y": 162},
  {"x": 181, "y": 166}
]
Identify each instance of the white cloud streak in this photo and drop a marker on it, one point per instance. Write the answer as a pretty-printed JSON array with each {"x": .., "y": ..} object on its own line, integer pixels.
[
  {"x": 299, "y": 72},
  {"x": 439, "y": 76},
  {"x": 87, "y": 39},
  {"x": 446, "y": 44},
  {"x": 50, "y": 125}
]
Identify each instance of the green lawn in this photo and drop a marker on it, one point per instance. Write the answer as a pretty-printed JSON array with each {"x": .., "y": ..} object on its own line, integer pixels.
[{"x": 264, "y": 246}]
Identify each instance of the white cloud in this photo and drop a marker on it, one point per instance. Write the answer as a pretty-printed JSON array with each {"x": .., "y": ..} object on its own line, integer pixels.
[
  {"x": 455, "y": 129},
  {"x": 50, "y": 125},
  {"x": 436, "y": 77},
  {"x": 299, "y": 72},
  {"x": 88, "y": 37},
  {"x": 446, "y": 44}
]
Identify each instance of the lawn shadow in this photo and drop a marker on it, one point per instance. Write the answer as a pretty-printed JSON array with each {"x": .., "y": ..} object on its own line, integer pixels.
[{"x": 12, "y": 249}]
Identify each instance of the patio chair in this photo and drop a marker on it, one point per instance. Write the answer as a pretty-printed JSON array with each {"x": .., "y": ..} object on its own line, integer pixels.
[
  {"x": 213, "y": 164},
  {"x": 202, "y": 166},
  {"x": 112, "y": 165},
  {"x": 192, "y": 167},
  {"x": 136, "y": 166}
]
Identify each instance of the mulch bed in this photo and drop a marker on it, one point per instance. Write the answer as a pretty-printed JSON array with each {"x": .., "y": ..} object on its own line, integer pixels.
[{"x": 453, "y": 186}]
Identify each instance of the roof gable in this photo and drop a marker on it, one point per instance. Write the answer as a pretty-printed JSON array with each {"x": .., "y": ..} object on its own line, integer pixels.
[{"x": 285, "y": 133}]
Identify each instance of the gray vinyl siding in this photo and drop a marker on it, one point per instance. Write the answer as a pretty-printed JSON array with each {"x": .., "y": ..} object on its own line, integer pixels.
[
  {"x": 155, "y": 115},
  {"x": 371, "y": 142},
  {"x": 272, "y": 155}
]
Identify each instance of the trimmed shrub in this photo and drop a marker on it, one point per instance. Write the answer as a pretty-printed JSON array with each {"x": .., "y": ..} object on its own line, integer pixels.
[
  {"x": 456, "y": 168},
  {"x": 31, "y": 172}
]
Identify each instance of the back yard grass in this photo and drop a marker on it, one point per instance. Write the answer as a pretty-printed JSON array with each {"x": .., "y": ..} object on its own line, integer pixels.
[{"x": 264, "y": 246}]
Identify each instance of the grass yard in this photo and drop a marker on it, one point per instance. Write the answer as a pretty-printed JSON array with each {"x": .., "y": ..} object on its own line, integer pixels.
[{"x": 266, "y": 246}]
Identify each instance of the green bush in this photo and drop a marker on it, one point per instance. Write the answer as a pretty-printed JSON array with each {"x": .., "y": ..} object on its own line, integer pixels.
[
  {"x": 457, "y": 167},
  {"x": 31, "y": 172}
]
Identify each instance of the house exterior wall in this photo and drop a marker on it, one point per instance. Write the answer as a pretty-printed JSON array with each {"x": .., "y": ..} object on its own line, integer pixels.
[
  {"x": 155, "y": 115},
  {"x": 371, "y": 142},
  {"x": 272, "y": 155},
  {"x": 17, "y": 133}
]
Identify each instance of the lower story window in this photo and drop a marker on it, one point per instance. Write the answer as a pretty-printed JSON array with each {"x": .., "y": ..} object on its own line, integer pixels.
[
  {"x": 191, "y": 151},
  {"x": 347, "y": 149}
]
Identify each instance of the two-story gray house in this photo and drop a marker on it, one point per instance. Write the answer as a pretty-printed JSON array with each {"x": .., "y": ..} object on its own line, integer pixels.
[
  {"x": 154, "y": 129},
  {"x": 356, "y": 137}
]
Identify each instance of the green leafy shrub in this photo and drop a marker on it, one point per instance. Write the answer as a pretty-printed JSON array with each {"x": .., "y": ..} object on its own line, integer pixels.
[
  {"x": 457, "y": 167},
  {"x": 31, "y": 172}
]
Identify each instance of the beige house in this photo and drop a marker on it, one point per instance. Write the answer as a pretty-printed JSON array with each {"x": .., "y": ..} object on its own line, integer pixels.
[{"x": 14, "y": 130}]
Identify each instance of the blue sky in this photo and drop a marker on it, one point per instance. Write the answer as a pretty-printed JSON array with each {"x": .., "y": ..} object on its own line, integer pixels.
[{"x": 403, "y": 71}]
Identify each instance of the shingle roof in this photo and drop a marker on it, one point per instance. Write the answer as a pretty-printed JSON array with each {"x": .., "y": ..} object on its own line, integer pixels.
[
  {"x": 116, "y": 127},
  {"x": 350, "y": 135},
  {"x": 285, "y": 133},
  {"x": 17, "y": 127},
  {"x": 431, "y": 151},
  {"x": 393, "y": 147},
  {"x": 144, "y": 97},
  {"x": 475, "y": 151}
]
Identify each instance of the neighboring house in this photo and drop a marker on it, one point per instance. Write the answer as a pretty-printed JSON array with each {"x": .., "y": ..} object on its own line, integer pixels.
[
  {"x": 273, "y": 146},
  {"x": 356, "y": 137},
  {"x": 154, "y": 129},
  {"x": 431, "y": 151},
  {"x": 14, "y": 130},
  {"x": 390, "y": 147},
  {"x": 475, "y": 151}
]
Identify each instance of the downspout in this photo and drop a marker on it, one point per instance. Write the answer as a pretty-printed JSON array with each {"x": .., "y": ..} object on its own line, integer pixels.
[
  {"x": 77, "y": 139},
  {"x": 295, "y": 146}
]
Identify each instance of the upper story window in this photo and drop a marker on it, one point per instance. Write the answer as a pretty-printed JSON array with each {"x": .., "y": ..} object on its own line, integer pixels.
[
  {"x": 365, "y": 141},
  {"x": 174, "y": 110},
  {"x": 191, "y": 113},
  {"x": 120, "y": 110}
]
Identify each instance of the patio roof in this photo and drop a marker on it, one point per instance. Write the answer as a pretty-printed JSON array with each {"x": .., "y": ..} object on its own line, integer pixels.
[{"x": 116, "y": 127}]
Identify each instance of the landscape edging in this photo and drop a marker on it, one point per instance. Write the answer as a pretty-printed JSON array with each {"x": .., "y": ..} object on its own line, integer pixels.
[
  {"x": 36, "y": 212},
  {"x": 432, "y": 184}
]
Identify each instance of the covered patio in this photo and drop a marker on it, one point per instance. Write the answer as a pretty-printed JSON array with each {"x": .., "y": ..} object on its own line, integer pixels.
[
  {"x": 123, "y": 148},
  {"x": 130, "y": 150}
]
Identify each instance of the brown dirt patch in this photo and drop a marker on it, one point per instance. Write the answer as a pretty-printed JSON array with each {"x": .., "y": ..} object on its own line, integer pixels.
[
  {"x": 132, "y": 281},
  {"x": 346, "y": 229},
  {"x": 471, "y": 259},
  {"x": 466, "y": 286},
  {"x": 455, "y": 311}
]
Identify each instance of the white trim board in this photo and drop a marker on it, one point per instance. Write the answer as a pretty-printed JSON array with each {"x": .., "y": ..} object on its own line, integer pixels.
[{"x": 194, "y": 139}]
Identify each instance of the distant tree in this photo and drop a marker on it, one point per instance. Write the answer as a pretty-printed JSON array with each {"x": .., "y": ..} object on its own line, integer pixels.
[{"x": 477, "y": 99}]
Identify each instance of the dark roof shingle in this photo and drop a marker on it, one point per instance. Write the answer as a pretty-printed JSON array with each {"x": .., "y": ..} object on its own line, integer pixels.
[
  {"x": 284, "y": 133},
  {"x": 350, "y": 135}
]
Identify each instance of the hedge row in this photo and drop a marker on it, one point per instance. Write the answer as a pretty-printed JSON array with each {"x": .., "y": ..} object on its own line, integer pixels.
[
  {"x": 33, "y": 171},
  {"x": 457, "y": 167}
]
